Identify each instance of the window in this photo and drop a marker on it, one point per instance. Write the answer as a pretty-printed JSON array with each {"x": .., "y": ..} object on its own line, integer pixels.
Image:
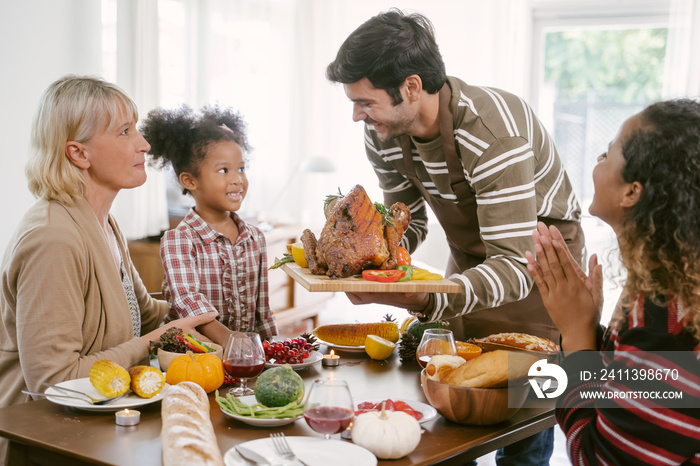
[{"x": 592, "y": 71}]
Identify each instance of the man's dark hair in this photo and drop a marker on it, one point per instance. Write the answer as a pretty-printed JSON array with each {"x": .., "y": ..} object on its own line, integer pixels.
[{"x": 387, "y": 49}]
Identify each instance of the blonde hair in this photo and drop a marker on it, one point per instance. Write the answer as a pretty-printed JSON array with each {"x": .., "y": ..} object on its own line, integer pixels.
[{"x": 73, "y": 108}]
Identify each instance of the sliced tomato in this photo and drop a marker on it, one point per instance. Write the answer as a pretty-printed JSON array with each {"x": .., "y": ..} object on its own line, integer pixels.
[
  {"x": 413, "y": 413},
  {"x": 404, "y": 257},
  {"x": 383, "y": 275},
  {"x": 388, "y": 405},
  {"x": 401, "y": 405}
]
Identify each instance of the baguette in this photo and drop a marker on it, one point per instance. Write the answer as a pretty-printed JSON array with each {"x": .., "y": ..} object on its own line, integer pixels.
[
  {"x": 441, "y": 365},
  {"x": 521, "y": 341},
  {"x": 187, "y": 435},
  {"x": 491, "y": 369}
]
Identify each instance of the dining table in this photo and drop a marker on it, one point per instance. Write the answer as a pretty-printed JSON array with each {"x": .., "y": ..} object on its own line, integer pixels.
[{"x": 48, "y": 434}]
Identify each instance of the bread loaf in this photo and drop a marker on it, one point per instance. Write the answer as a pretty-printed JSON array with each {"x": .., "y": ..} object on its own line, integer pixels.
[
  {"x": 187, "y": 435},
  {"x": 441, "y": 365},
  {"x": 491, "y": 369},
  {"x": 521, "y": 341}
]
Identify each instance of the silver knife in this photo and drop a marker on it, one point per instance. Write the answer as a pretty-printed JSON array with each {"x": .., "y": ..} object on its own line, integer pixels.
[{"x": 250, "y": 455}]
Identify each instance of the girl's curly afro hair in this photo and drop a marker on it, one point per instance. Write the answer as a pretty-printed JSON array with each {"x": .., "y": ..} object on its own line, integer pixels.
[{"x": 182, "y": 137}]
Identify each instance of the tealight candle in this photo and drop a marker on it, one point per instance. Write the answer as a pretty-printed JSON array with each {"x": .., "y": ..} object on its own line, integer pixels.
[
  {"x": 330, "y": 360},
  {"x": 127, "y": 417}
]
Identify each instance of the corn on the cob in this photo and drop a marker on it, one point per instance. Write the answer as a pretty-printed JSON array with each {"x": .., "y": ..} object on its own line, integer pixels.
[
  {"x": 355, "y": 334},
  {"x": 109, "y": 378},
  {"x": 146, "y": 381}
]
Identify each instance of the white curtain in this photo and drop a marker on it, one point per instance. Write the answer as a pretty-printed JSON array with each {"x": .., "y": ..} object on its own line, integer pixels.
[
  {"x": 682, "y": 67},
  {"x": 268, "y": 60},
  {"x": 141, "y": 211}
]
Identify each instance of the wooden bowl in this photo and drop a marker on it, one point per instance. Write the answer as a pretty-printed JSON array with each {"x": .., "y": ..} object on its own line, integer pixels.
[
  {"x": 166, "y": 357},
  {"x": 474, "y": 406}
]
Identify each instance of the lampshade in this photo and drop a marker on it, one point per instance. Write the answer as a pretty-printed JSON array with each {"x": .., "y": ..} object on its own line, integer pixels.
[
  {"x": 317, "y": 165},
  {"x": 308, "y": 165}
]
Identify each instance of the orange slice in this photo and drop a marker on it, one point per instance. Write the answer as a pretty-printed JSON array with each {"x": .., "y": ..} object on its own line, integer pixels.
[{"x": 467, "y": 350}]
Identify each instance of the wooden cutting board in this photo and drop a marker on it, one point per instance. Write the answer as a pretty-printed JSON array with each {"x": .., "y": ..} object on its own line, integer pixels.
[{"x": 311, "y": 282}]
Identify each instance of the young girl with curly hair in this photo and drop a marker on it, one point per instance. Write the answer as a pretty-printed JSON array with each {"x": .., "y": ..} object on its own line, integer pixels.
[
  {"x": 647, "y": 188},
  {"x": 213, "y": 260}
]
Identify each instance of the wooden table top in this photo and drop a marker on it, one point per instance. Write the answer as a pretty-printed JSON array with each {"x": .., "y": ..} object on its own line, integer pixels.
[{"x": 42, "y": 429}]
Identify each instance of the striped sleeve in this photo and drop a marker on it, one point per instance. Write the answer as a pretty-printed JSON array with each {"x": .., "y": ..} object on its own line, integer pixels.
[
  {"x": 504, "y": 185},
  {"x": 516, "y": 174}
]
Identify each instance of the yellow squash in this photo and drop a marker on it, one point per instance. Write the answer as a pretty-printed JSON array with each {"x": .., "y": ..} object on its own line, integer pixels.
[
  {"x": 355, "y": 334},
  {"x": 109, "y": 378},
  {"x": 146, "y": 381}
]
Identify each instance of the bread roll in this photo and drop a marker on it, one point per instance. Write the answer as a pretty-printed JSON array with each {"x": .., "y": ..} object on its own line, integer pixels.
[
  {"x": 521, "y": 341},
  {"x": 187, "y": 435},
  {"x": 491, "y": 369},
  {"x": 441, "y": 365}
]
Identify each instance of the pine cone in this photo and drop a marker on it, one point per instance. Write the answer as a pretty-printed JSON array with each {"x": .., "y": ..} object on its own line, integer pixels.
[
  {"x": 311, "y": 339},
  {"x": 408, "y": 344}
]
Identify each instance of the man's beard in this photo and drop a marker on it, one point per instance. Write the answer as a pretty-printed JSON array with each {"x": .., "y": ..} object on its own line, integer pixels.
[{"x": 393, "y": 129}]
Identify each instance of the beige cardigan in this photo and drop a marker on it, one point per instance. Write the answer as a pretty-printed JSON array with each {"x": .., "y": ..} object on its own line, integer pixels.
[{"x": 62, "y": 303}]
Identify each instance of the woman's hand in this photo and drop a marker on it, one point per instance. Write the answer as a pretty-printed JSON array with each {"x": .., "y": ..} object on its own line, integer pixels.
[
  {"x": 186, "y": 324},
  {"x": 573, "y": 299}
]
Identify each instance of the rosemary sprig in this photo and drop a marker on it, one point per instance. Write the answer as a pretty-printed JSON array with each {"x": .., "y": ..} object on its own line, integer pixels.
[
  {"x": 386, "y": 215},
  {"x": 332, "y": 197},
  {"x": 286, "y": 257}
]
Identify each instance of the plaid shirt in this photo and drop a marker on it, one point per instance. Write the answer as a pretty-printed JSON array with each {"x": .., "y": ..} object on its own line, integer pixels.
[{"x": 204, "y": 272}]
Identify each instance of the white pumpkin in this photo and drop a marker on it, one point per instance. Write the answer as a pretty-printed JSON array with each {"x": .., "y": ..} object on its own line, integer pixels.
[{"x": 387, "y": 434}]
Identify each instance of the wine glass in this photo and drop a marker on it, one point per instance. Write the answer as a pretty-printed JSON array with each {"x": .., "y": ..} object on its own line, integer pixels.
[
  {"x": 329, "y": 408},
  {"x": 435, "y": 341},
  {"x": 244, "y": 357}
]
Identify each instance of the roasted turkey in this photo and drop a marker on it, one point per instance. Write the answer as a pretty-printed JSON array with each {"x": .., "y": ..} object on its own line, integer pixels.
[{"x": 356, "y": 236}]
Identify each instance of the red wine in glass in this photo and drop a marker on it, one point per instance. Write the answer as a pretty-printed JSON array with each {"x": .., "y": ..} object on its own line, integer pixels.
[
  {"x": 244, "y": 357},
  {"x": 328, "y": 419},
  {"x": 329, "y": 408},
  {"x": 240, "y": 368}
]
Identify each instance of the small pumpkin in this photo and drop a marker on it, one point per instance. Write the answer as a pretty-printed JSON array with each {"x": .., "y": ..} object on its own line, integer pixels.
[
  {"x": 206, "y": 370},
  {"x": 387, "y": 434}
]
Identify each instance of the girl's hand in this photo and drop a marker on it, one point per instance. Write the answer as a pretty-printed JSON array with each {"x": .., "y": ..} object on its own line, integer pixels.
[
  {"x": 186, "y": 324},
  {"x": 573, "y": 299}
]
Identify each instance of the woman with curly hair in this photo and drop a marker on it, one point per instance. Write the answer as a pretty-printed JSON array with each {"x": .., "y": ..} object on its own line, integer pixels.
[
  {"x": 647, "y": 188},
  {"x": 213, "y": 260}
]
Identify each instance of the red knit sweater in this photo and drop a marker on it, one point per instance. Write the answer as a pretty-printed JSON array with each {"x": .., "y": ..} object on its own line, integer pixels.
[{"x": 627, "y": 431}]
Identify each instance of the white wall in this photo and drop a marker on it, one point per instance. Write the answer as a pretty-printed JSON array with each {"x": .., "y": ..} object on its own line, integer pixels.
[{"x": 42, "y": 40}]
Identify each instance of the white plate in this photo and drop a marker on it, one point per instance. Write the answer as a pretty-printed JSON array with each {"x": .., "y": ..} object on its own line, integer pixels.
[
  {"x": 84, "y": 385},
  {"x": 314, "y": 357},
  {"x": 429, "y": 413},
  {"x": 349, "y": 349},
  {"x": 314, "y": 451},
  {"x": 250, "y": 400}
]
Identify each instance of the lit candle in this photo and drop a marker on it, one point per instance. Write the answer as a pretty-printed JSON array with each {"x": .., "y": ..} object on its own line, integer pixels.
[
  {"x": 330, "y": 360},
  {"x": 127, "y": 417}
]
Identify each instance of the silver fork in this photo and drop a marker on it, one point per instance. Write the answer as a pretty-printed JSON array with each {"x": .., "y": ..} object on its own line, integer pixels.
[
  {"x": 103, "y": 401},
  {"x": 283, "y": 449},
  {"x": 78, "y": 392}
]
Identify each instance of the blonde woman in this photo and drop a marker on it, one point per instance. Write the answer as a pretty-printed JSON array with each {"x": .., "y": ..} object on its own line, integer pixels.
[
  {"x": 70, "y": 294},
  {"x": 647, "y": 188}
]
